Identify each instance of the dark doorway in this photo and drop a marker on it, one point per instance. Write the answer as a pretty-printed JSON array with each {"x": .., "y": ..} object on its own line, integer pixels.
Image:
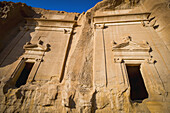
[
  {"x": 24, "y": 74},
  {"x": 138, "y": 90}
]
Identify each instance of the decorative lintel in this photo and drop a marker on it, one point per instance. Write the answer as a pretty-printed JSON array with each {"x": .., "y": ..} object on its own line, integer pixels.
[
  {"x": 121, "y": 19},
  {"x": 129, "y": 50},
  {"x": 128, "y": 45}
]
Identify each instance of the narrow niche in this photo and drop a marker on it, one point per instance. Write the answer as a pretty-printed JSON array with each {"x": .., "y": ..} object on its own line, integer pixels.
[
  {"x": 138, "y": 90},
  {"x": 24, "y": 74}
]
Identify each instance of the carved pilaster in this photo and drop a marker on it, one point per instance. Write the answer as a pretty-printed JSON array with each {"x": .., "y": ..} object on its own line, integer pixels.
[{"x": 34, "y": 70}]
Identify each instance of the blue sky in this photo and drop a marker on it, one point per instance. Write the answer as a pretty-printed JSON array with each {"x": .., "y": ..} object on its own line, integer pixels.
[{"x": 61, "y": 5}]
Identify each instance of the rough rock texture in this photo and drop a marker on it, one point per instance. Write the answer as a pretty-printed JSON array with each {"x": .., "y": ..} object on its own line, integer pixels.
[
  {"x": 80, "y": 60},
  {"x": 11, "y": 17}
]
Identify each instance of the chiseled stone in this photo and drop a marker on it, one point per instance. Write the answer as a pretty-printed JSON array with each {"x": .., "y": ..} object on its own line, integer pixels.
[{"x": 79, "y": 63}]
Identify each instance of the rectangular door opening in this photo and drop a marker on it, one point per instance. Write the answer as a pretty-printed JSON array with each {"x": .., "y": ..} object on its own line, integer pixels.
[
  {"x": 24, "y": 74},
  {"x": 137, "y": 87}
]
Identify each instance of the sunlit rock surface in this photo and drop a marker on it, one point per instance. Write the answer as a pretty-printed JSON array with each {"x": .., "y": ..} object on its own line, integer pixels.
[{"x": 112, "y": 58}]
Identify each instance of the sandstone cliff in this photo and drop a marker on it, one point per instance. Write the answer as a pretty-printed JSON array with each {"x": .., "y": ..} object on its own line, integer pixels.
[
  {"x": 73, "y": 71},
  {"x": 11, "y": 17}
]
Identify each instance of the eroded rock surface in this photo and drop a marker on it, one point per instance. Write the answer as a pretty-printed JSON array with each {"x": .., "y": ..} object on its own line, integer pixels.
[{"x": 80, "y": 62}]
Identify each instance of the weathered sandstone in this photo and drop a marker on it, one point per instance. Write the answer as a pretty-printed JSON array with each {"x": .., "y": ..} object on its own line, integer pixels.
[{"x": 112, "y": 58}]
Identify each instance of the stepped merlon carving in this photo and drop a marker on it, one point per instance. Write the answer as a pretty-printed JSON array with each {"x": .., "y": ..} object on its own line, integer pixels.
[{"x": 129, "y": 45}]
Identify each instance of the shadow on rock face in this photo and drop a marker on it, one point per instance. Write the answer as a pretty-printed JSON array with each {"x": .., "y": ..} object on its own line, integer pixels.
[{"x": 12, "y": 19}]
